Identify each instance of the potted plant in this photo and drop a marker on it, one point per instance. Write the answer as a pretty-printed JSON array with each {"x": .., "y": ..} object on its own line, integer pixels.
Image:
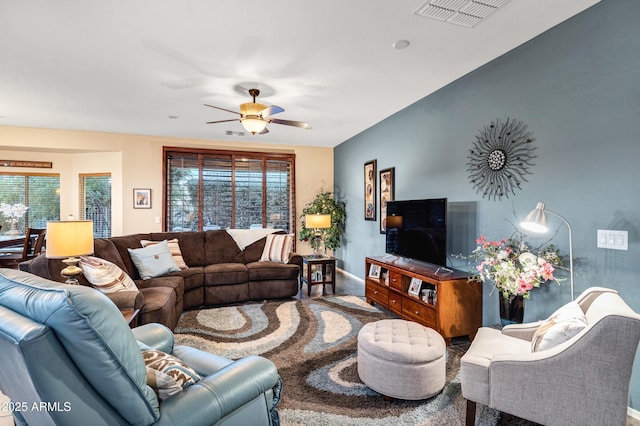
[{"x": 325, "y": 203}]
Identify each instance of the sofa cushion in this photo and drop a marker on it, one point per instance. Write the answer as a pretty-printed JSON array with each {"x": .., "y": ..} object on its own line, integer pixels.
[
  {"x": 221, "y": 248},
  {"x": 277, "y": 248},
  {"x": 561, "y": 326},
  {"x": 226, "y": 273},
  {"x": 174, "y": 249},
  {"x": 153, "y": 261},
  {"x": 105, "y": 276},
  {"x": 259, "y": 271},
  {"x": 192, "y": 245}
]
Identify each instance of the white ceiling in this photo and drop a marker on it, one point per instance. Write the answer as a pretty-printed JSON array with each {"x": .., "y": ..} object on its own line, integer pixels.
[{"x": 126, "y": 66}]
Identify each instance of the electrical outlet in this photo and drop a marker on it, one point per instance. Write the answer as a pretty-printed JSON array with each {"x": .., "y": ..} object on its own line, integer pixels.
[{"x": 613, "y": 240}]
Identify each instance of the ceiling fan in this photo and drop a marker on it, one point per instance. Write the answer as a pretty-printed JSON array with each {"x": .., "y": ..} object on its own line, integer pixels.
[{"x": 255, "y": 117}]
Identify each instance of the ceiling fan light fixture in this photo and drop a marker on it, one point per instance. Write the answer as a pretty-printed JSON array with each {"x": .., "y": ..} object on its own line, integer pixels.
[{"x": 253, "y": 124}]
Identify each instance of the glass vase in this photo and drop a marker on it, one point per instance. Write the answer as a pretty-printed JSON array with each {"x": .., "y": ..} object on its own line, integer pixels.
[{"x": 511, "y": 309}]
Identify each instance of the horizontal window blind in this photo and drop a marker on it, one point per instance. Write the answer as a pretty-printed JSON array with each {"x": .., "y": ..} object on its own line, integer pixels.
[
  {"x": 39, "y": 192},
  {"x": 218, "y": 189},
  {"x": 95, "y": 202}
]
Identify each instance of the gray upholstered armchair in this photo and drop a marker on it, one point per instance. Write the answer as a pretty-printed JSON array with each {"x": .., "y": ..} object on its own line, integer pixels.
[
  {"x": 69, "y": 358},
  {"x": 582, "y": 381}
]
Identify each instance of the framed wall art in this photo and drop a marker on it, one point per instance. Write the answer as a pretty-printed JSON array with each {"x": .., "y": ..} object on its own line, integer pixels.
[
  {"x": 370, "y": 190},
  {"x": 387, "y": 193},
  {"x": 141, "y": 198}
]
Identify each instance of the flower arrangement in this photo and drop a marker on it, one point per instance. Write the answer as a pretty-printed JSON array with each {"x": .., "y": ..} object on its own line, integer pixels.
[
  {"x": 512, "y": 267},
  {"x": 13, "y": 212}
]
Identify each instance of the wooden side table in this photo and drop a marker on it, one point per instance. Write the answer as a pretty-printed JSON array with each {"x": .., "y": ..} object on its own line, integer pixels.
[{"x": 318, "y": 270}]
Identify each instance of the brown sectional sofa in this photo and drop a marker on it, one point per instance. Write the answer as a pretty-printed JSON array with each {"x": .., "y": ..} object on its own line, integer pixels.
[{"x": 219, "y": 273}]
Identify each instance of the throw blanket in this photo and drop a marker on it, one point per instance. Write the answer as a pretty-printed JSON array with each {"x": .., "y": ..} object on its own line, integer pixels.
[{"x": 246, "y": 237}]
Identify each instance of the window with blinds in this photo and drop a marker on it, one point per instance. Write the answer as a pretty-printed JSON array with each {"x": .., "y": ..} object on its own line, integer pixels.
[
  {"x": 39, "y": 192},
  {"x": 95, "y": 202},
  {"x": 213, "y": 189}
]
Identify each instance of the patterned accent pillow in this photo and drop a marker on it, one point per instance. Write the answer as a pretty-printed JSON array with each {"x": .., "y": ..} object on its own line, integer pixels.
[
  {"x": 166, "y": 374},
  {"x": 105, "y": 276},
  {"x": 153, "y": 261},
  {"x": 561, "y": 326},
  {"x": 277, "y": 248},
  {"x": 174, "y": 249}
]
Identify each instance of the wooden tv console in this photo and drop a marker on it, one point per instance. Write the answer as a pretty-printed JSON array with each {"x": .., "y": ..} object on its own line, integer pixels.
[{"x": 457, "y": 309}]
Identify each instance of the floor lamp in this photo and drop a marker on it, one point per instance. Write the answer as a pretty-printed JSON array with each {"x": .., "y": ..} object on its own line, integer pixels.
[{"x": 536, "y": 221}]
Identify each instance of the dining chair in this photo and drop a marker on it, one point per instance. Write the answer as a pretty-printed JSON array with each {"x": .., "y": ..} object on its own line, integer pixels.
[{"x": 32, "y": 247}]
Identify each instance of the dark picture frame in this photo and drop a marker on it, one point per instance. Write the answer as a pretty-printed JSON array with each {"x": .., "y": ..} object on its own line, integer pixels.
[
  {"x": 387, "y": 193},
  {"x": 141, "y": 198},
  {"x": 370, "y": 168}
]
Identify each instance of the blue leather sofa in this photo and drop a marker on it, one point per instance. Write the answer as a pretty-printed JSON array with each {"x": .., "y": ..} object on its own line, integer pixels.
[{"x": 69, "y": 358}]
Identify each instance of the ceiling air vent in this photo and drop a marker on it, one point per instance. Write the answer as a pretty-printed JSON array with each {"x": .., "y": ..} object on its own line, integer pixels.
[
  {"x": 234, "y": 133},
  {"x": 467, "y": 13}
]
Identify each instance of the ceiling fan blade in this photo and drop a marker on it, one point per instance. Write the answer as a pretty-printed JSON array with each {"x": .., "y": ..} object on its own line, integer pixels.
[
  {"x": 222, "y": 121},
  {"x": 271, "y": 110},
  {"x": 265, "y": 130},
  {"x": 223, "y": 109},
  {"x": 300, "y": 124}
]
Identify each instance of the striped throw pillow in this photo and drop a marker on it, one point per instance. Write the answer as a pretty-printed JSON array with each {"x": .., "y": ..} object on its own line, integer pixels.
[
  {"x": 174, "y": 248},
  {"x": 105, "y": 276},
  {"x": 277, "y": 248}
]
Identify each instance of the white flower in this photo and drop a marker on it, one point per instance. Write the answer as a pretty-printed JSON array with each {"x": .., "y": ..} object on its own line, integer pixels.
[
  {"x": 13, "y": 212},
  {"x": 528, "y": 260}
]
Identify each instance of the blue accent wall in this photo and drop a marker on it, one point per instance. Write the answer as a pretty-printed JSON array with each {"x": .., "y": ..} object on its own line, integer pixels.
[{"x": 577, "y": 87}]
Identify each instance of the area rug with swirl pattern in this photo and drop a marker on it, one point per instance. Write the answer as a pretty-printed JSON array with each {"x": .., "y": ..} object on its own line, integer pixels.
[{"x": 313, "y": 343}]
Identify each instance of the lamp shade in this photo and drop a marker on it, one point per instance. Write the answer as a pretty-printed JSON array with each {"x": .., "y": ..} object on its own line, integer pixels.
[
  {"x": 253, "y": 125},
  {"x": 536, "y": 220},
  {"x": 317, "y": 221},
  {"x": 69, "y": 238},
  {"x": 394, "y": 221},
  {"x": 251, "y": 119}
]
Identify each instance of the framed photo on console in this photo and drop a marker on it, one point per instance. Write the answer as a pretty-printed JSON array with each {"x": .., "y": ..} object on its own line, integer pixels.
[
  {"x": 414, "y": 287},
  {"x": 374, "y": 271}
]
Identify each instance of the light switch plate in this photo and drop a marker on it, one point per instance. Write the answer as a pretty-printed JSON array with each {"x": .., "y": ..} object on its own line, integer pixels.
[{"x": 613, "y": 240}]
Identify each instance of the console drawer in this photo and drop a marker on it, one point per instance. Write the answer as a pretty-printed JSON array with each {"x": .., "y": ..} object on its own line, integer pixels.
[
  {"x": 420, "y": 312},
  {"x": 377, "y": 293},
  {"x": 395, "y": 302},
  {"x": 395, "y": 280}
]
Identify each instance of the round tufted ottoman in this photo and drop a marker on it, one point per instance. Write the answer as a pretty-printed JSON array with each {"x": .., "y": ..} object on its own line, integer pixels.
[{"x": 401, "y": 359}]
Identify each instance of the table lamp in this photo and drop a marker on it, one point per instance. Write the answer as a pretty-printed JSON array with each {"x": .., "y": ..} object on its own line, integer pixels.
[
  {"x": 66, "y": 240},
  {"x": 318, "y": 222},
  {"x": 536, "y": 221}
]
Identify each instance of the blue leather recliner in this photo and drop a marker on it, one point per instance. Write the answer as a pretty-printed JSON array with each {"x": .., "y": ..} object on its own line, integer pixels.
[{"x": 69, "y": 358}]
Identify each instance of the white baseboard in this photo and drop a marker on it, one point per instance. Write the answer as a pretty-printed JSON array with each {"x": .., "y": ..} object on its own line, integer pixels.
[
  {"x": 634, "y": 414},
  {"x": 355, "y": 277}
]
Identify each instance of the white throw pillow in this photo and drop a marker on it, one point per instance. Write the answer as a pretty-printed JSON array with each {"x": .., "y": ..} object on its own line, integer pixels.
[
  {"x": 561, "y": 326},
  {"x": 153, "y": 261},
  {"x": 105, "y": 276},
  {"x": 277, "y": 248},
  {"x": 174, "y": 249}
]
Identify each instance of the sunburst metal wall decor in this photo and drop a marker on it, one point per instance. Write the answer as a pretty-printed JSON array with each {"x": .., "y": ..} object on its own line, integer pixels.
[{"x": 501, "y": 157}]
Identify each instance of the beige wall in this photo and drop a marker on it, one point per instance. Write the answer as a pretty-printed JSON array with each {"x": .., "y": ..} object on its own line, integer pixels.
[{"x": 136, "y": 162}]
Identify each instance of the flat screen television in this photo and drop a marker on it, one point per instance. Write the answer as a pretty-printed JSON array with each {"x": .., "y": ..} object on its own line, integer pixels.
[{"x": 419, "y": 230}]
